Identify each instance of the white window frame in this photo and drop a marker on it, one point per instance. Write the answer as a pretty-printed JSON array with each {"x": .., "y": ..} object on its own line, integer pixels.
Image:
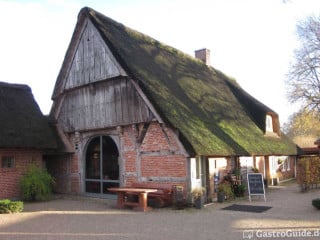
[
  {"x": 269, "y": 124},
  {"x": 286, "y": 165}
]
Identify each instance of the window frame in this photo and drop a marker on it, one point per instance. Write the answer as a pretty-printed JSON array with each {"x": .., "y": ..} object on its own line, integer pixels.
[
  {"x": 286, "y": 165},
  {"x": 8, "y": 162},
  {"x": 269, "y": 123}
]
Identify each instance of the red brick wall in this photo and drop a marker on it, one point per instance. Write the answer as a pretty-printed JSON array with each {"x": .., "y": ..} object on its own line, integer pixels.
[
  {"x": 10, "y": 177},
  {"x": 149, "y": 153},
  {"x": 59, "y": 168},
  {"x": 288, "y": 173},
  {"x": 155, "y": 139},
  {"x": 129, "y": 144},
  {"x": 75, "y": 175},
  {"x": 163, "y": 166},
  {"x": 66, "y": 171},
  {"x": 154, "y": 156},
  {"x": 130, "y": 160}
]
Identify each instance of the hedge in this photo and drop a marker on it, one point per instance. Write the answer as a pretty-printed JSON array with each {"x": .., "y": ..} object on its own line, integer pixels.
[
  {"x": 8, "y": 206},
  {"x": 316, "y": 203}
]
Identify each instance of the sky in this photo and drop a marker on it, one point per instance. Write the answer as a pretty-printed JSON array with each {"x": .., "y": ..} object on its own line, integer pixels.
[{"x": 252, "y": 41}]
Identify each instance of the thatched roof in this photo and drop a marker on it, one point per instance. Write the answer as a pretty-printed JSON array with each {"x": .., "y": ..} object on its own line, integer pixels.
[
  {"x": 22, "y": 124},
  {"x": 213, "y": 114}
]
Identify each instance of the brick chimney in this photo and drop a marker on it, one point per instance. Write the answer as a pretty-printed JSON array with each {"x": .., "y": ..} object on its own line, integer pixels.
[{"x": 203, "y": 55}]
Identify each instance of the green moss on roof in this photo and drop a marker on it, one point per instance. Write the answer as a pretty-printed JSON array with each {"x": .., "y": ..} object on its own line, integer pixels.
[{"x": 210, "y": 110}]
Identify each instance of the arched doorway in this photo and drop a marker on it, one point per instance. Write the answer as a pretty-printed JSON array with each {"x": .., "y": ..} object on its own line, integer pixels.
[{"x": 101, "y": 165}]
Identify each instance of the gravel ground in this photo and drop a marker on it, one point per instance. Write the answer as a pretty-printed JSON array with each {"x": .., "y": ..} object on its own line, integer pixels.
[{"x": 68, "y": 217}]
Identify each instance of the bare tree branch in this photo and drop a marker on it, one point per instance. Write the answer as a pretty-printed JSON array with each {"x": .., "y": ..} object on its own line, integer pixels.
[{"x": 303, "y": 80}]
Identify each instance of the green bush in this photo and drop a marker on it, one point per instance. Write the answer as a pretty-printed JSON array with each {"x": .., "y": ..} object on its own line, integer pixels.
[
  {"x": 316, "y": 203},
  {"x": 7, "y": 206},
  {"x": 36, "y": 184},
  {"x": 226, "y": 189}
]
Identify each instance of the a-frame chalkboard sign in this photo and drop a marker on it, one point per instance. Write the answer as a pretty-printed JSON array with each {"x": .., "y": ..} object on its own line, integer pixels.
[{"x": 256, "y": 185}]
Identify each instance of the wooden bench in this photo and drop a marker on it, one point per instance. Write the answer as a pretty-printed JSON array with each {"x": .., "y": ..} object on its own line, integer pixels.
[{"x": 163, "y": 195}]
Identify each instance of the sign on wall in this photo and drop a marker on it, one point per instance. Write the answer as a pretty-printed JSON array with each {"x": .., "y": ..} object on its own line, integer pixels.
[{"x": 256, "y": 185}]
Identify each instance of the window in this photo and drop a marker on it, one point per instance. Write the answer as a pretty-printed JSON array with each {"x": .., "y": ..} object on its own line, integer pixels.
[
  {"x": 7, "y": 162},
  {"x": 286, "y": 165},
  {"x": 269, "y": 126},
  {"x": 102, "y": 165}
]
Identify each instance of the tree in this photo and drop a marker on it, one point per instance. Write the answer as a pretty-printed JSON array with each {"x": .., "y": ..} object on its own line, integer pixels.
[
  {"x": 303, "y": 127},
  {"x": 303, "y": 123},
  {"x": 303, "y": 79}
]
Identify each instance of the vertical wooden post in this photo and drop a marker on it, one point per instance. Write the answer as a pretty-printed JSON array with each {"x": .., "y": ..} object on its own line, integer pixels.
[{"x": 267, "y": 168}]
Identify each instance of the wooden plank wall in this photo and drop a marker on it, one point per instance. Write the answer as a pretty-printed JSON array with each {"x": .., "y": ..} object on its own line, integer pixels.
[
  {"x": 104, "y": 104},
  {"x": 93, "y": 60}
]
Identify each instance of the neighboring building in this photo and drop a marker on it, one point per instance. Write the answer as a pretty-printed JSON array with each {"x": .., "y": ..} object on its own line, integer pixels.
[
  {"x": 308, "y": 162},
  {"x": 25, "y": 136},
  {"x": 308, "y": 145},
  {"x": 135, "y": 110}
]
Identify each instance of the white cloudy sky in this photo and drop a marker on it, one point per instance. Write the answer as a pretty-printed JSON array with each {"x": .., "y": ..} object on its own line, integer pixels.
[{"x": 250, "y": 40}]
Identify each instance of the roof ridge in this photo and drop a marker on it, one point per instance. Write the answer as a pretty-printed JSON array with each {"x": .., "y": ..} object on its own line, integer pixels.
[
  {"x": 15, "y": 85},
  {"x": 90, "y": 13}
]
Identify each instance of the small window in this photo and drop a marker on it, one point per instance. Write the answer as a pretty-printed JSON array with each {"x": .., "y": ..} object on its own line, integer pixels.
[
  {"x": 269, "y": 125},
  {"x": 286, "y": 165},
  {"x": 7, "y": 162}
]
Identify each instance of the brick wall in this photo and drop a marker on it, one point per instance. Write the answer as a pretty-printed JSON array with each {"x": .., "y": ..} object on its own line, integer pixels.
[
  {"x": 65, "y": 169},
  {"x": 152, "y": 154},
  {"x": 59, "y": 168},
  {"x": 149, "y": 152},
  {"x": 10, "y": 177},
  {"x": 163, "y": 166},
  {"x": 287, "y": 173}
]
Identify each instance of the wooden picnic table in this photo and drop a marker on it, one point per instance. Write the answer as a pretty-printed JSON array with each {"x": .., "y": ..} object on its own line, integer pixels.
[{"x": 142, "y": 193}]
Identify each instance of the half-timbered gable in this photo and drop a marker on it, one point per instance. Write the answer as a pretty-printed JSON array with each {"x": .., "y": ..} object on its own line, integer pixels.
[
  {"x": 104, "y": 104},
  {"x": 97, "y": 87},
  {"x": 92, "y": 60}
]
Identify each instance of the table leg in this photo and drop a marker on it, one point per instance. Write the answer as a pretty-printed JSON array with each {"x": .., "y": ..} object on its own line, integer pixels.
[
  {"x": 121, "y": 200},
  {"x": 143, "y": 203}
]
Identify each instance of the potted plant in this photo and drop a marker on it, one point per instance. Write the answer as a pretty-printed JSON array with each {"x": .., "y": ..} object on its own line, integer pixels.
[
  {"x": 197, "y": 196},
  {"x": 239, "y": 190},
  {"x": 255, "y": 170},
  {"x": 224, "y": 192},
  {"x": 316, "y": 203},
  {"x": 274, "y": 179},
  {"x": 237, "y": 172}
]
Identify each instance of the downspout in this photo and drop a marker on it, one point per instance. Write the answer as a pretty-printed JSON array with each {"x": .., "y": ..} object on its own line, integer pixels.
[
  {"x": 189, "y": 181},
  {"x": 295, "y": 166},
  {"x": 264, "y": 167}
]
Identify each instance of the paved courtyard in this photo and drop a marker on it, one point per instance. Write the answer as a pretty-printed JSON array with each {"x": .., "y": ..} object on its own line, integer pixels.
[{"x": 67, "y": 217}]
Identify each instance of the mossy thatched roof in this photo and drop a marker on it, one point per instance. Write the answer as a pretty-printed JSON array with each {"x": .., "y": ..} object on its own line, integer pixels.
[
  {"x": 214, "y": 115},
  {"x": 22, "y": 124}
]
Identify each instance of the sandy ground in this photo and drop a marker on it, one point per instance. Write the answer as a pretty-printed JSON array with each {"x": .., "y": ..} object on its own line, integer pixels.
[{"x": 68, "y": 217}]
